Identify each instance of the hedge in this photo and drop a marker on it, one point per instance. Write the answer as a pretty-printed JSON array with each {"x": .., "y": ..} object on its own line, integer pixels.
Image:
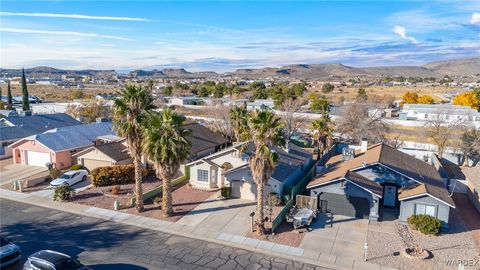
[
  {"x": 114, "y": 175},
  {"x": 425, "y": 224},
  {"x": 76, "y": 167}
]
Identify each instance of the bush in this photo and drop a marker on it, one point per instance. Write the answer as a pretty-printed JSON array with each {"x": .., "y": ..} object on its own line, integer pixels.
[
  {"x": 55, "y": 173},
  {"x": 425, "y": 224},
  {"x": 76, "y": 167},
  {"x": 226, "y": 192},
  {"x": 114, "y": 175},
  {"x": 63, "y": 193}
]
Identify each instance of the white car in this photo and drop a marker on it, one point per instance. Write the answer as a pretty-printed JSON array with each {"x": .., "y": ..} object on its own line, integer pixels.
[{"x": 70, "y": 178}]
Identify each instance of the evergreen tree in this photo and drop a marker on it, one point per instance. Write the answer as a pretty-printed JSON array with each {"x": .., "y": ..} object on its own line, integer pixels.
[
  {"x": 9, "y": 97},
  {"x": 25, "y": 100}
]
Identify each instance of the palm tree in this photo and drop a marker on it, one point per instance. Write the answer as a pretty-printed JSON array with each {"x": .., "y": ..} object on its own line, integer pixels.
[
  {"x": 238, "y": 115},
  {"x": 264, "y": 130},
  {"x": 128, "y": 114},
  {"x": 323, "y": 134},
  {"x": 166, "y": 145}
]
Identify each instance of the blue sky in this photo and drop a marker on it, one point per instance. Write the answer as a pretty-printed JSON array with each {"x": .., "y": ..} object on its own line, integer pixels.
[{"x": 226, "y": 35}]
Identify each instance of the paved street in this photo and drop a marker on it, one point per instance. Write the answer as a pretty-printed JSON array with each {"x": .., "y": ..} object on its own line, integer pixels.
[{"x": 109, "y": 245}]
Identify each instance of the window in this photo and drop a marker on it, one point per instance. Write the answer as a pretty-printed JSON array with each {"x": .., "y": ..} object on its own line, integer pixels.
[
  {"x": 425, "y": 209},
  {"x": 202, "y": 175}
]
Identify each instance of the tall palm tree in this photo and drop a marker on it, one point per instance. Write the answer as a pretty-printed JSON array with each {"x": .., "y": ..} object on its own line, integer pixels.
[
  {"x": 129, "y": 114},
  {"x": 264, "y": 130},
  {"x": 238, "y": 115},
  {"x": 166, "y": 145},
  {"x": 323, "y": 134}
]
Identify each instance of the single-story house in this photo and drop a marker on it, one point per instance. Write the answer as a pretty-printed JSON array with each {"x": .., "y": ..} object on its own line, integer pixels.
[
  {"x": 102, "y": 155},
  {"x": 58, "y": 145},
  {"x": 229, "y": 168},
  {"x": 16, "y": 127},
  {"x": 368, "y": 182},
  {"x": 203, "y": 143},
  {"x": 182, "y": 101}
]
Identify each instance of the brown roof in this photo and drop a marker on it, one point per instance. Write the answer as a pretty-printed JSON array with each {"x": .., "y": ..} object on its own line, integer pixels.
[
  {"x": 203, "y": 138},
  {"x": 407, "y": 193},
  {"x": 115, "y": 150},
  {"x": 425, "y": 189},
  {"x": 365, "y": 182},
  {"x": 392, "y": 158}
]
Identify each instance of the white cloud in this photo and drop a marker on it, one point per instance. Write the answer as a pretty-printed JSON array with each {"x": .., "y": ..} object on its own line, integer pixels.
[
  {"x": 402, "y": 32},
  {"x": 72, "y": 16},
  {"x": 475, "y": 19},
  {"x": 60, "y": 33}
]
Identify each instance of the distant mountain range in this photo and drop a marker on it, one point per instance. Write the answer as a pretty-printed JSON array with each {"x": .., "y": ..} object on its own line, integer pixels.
[{"x": 460, "y": 67}]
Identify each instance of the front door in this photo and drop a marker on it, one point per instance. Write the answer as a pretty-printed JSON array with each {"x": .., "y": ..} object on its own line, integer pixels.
[{"x": 389, "y": 196}]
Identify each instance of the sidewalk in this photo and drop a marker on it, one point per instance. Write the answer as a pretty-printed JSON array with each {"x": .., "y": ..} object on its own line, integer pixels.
[{"x": 184, "y": 229}]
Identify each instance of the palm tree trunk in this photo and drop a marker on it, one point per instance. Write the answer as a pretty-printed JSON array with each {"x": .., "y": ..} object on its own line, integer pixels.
[
  {"x": 260, "y": 205},
  {"x": 167, "y": 196},
  {"x": 138, "y": 184}
]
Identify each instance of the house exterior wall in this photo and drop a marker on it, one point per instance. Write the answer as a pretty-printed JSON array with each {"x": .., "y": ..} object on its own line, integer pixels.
[
  {"x": 194, "y": 175},
  {"x": 94, "y": 154},
  {"x": 246, "y": 176},
  {"x": 30, "y": 146},
  {"x": 407, "y": 208},
  {"x": 350, "y": 190}
]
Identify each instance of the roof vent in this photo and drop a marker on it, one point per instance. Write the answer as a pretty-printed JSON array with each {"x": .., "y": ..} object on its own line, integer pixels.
[{"x": 364, "y": 164}]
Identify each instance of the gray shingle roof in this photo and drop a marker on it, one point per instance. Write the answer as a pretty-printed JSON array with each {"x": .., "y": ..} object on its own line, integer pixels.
[
  {"x": 24, "y": 126},
  {"x": 287, "y": 161},
  {"x": 74, "y": 136}
]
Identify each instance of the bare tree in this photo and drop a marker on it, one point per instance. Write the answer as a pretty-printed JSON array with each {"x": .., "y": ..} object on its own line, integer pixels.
[
  {"x": 362, "y": 119},
  {"x": 395, "y": 142},
  {"x": 469, "y": 145},
  {"x": 291, "y": 116},
  {"x": 440, "y": 131},
  {"x": 88, "y": 111},
  {"x": 221, "y": 122}
]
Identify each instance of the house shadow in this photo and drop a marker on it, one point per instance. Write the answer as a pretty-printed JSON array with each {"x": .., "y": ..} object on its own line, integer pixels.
[
  {"x": 214, "y": 209},
  {"x": 66, "y": 235},
  {"x": 327, "y": 221},
  {"x": 117, "y": 266}
]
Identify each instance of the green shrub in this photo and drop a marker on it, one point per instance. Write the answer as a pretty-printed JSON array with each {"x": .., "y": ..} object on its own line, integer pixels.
[
  {"x": 226, "y": 192},
  {"x": 114, "y": 175},
  {"x": 76, "y": 167},
  {"x": 63, "y": 193},
  {"x": 425, "y": 224}
]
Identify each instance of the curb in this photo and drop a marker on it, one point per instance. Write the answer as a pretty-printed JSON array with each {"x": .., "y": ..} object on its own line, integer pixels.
[{"x": 177, "y": 229}]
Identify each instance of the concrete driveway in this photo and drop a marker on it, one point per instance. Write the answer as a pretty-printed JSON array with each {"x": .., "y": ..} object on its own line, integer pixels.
[
  {"x": 220, "y": 216},
  {"x": 346, "y": 238},
  {"x": 12, "y": 172}
]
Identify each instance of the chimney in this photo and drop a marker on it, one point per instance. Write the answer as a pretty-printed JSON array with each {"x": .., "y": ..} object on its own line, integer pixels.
[{"x": 363, "y": 146}]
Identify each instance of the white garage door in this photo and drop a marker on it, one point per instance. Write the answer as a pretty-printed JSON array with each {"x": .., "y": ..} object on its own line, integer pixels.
[
  {"x": 244, "y": 190},
  {"x": 37, "y": 158}
]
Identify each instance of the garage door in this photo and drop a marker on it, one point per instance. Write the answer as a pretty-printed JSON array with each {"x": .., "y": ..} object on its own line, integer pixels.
[
  {"x": 345, "y": 205},
  {"x": 91, "y": 164},
  {"x": 37, "y": 158},
  {"x": 244, "y": 190}
]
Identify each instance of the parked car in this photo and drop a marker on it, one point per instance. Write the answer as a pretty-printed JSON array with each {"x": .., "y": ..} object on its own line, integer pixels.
[
  {"x": 52, "y": 260},
  {"x": 9, "y": 252},
  {"x": 70, "y": 178}
]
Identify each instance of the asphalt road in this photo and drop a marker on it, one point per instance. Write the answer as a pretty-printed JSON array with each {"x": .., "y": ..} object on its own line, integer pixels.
[{"x": 108, "y": 245}]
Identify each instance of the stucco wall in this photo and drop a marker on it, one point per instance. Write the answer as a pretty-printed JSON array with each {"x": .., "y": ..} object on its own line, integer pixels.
[
  {"x": 474, "y": 195},
  {"x": 31, "y": 146},
  {"x": 194, "y": 175},
  {"x": 350, "y": 190},
  {"x": 407, "y": 208}
]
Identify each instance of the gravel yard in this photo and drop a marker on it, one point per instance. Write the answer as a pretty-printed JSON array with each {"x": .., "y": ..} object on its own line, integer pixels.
[{"x": 456, "y": 244}]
